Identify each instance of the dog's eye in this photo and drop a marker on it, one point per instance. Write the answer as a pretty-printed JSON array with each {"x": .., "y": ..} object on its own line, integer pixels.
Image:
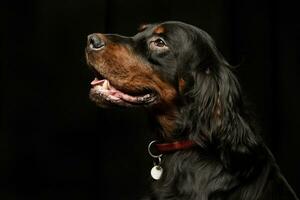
[{"x": 159, "y": 43}]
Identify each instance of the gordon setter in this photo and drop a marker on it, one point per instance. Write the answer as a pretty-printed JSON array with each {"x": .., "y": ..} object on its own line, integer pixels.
[{"x": 207, "y": 146}]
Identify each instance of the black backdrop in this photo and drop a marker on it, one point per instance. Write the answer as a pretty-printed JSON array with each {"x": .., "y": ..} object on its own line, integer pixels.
[{"x": 55, "y": 143}]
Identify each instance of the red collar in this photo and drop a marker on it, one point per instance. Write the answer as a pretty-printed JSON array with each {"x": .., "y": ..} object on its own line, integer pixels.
[
  {"x": 174, "y": 146},
  {"x": 162, "y": 148}
]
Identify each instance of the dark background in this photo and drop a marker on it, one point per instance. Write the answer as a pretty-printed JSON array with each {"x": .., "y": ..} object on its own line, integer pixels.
[{"x": 55, "y": 143}]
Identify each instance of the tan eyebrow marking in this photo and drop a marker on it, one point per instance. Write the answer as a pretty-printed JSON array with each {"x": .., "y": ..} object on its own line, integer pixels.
[{"x": 159, "y": 30}]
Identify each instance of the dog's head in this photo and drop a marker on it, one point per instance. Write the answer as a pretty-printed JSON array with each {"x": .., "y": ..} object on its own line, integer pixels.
[{"x": 167, "y": 66}]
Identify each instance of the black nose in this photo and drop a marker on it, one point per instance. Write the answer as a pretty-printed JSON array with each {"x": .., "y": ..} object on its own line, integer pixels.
[{"x": 95, "y": 41}]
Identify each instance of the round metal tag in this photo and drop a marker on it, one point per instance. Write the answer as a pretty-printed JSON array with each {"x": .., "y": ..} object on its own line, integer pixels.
[{"x": 156, "y": 172}]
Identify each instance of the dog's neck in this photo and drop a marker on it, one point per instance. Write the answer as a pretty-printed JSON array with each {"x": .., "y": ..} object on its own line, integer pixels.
[{"x": 167, "y": 122}]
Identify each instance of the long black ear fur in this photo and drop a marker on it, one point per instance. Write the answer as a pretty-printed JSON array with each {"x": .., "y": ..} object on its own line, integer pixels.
[{"x": 213, "y": 115}]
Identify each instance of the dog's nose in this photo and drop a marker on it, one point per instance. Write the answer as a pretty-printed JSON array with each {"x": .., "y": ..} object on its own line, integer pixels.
[{"x": 95, "y": 41}]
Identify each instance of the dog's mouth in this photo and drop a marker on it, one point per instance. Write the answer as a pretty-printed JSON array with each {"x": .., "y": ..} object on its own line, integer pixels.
[{"x": 103, "y": 93}]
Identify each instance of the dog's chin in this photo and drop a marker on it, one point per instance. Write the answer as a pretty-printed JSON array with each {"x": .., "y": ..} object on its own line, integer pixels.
[{"x": 105, "y": 95}]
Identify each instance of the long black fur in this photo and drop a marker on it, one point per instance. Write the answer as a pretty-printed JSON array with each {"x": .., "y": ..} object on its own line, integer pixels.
[{"x": 231, "y": 161}]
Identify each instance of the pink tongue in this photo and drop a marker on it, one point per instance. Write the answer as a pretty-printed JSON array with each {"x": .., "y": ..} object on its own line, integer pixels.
[
  {"x": 97, "y": 82},
  {"x": 114, "y": 93}
]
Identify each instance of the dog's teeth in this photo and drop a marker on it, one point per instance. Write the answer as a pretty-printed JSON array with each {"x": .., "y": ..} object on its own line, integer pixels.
[{"x": 105, "y": 85}]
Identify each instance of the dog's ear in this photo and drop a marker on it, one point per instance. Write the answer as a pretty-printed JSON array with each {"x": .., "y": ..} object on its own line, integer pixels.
[
  {"x": 213, "y": 113},
  {"x": 239, "y": 145},
  {"x": 200, "y": 96}
]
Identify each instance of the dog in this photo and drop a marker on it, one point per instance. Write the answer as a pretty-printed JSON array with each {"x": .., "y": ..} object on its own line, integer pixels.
[{"x": 207, "y": 146}]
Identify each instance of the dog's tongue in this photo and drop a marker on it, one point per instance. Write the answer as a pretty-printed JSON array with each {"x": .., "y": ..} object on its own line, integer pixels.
[{"x": 105, "y": 88}]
